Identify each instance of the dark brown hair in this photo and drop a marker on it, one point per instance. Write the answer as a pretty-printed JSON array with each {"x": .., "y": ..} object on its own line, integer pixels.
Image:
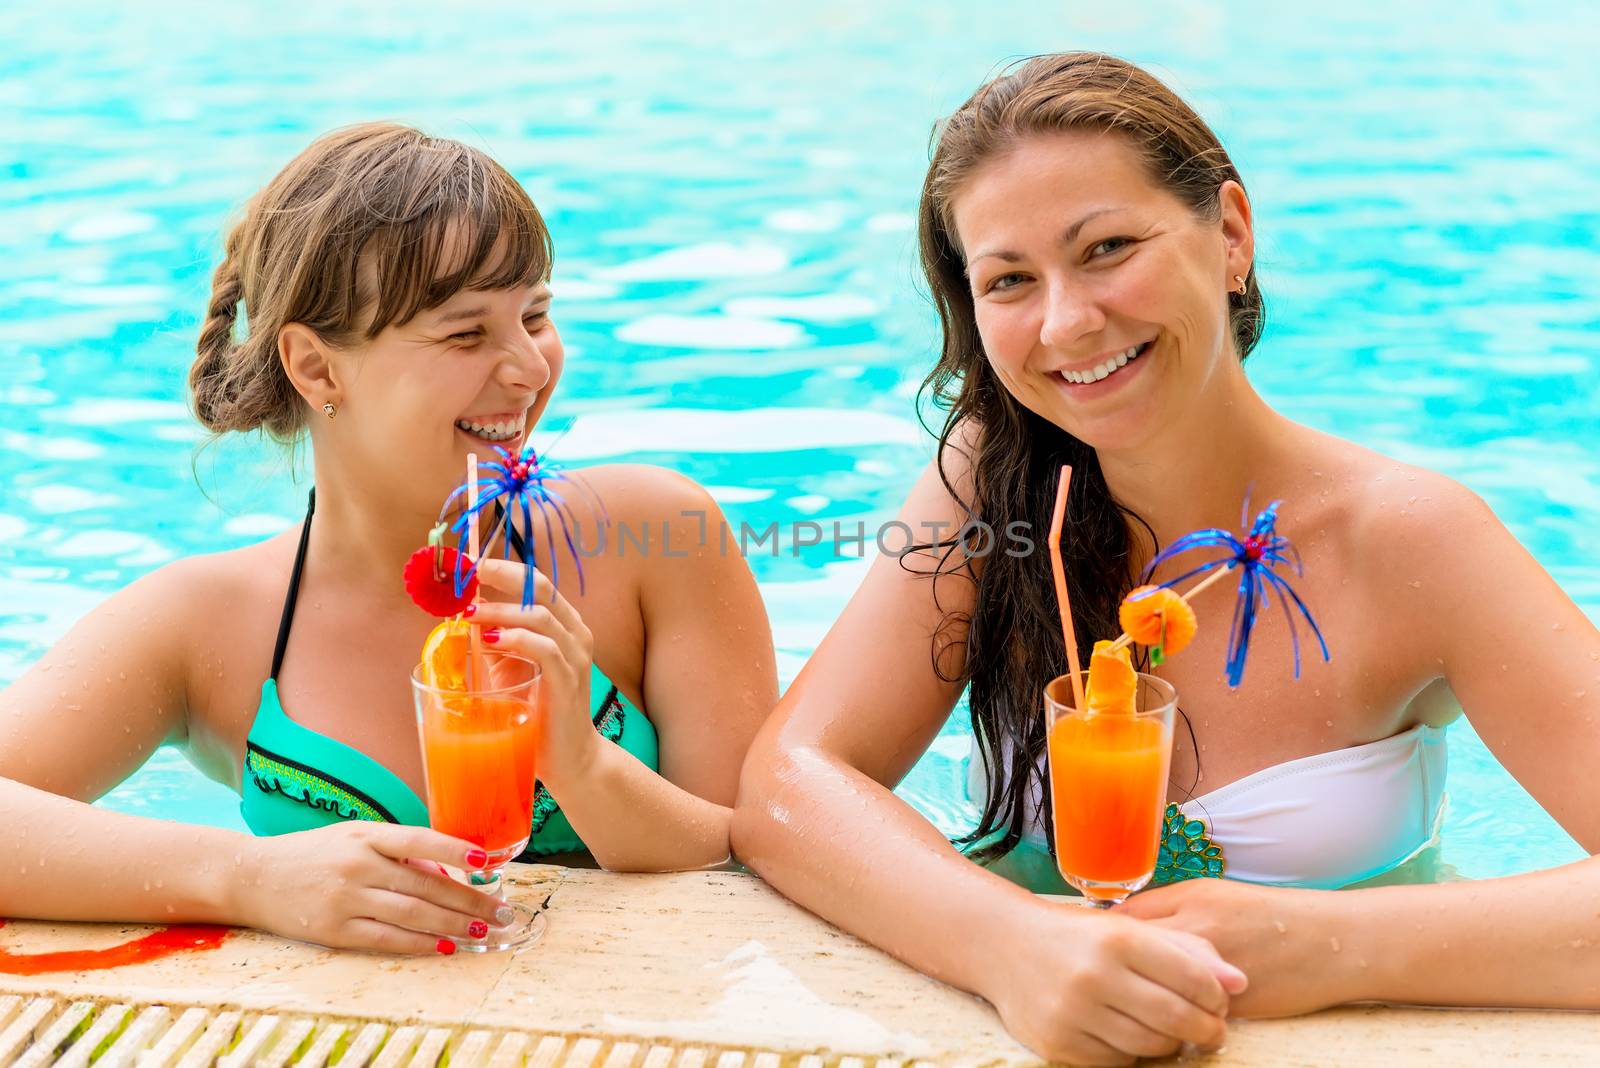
[
  {"x": 1013, "y": 636},
  {"x": 368, "y": 226}
]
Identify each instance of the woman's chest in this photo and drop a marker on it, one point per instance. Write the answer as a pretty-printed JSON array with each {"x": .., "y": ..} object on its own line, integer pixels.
[{"x": 1291, "y": 701}]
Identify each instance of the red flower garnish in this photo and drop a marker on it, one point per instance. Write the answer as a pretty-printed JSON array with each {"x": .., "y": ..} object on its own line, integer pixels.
[{"x": 435, "y": 591}]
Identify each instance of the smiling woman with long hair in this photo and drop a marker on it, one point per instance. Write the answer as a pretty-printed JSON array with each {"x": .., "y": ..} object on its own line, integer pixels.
[{"x": 1090, "y": 250}]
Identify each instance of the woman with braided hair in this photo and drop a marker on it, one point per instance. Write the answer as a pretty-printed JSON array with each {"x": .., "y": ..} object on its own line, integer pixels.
[{"x": 386, "y": 298}]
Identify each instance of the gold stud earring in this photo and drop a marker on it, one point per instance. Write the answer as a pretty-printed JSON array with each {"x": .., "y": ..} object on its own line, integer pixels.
[
  {"x": 329, "y": 410},
  {"x": 1238, "y": 280}
]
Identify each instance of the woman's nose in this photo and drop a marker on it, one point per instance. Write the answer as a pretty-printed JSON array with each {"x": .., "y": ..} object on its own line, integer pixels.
[
  {"x": 525, "y": 365},
  {"x": 1071, "y": 313}
]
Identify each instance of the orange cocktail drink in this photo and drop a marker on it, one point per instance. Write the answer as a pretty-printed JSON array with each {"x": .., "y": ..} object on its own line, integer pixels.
[
  {"x": 1108, "y": 783},
  {"x": 478, "y": 756},
  {"x": 479, "y": 718}
]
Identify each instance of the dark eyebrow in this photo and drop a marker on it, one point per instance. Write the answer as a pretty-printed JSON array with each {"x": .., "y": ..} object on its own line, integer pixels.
[{"x": 1067, "y": 238}]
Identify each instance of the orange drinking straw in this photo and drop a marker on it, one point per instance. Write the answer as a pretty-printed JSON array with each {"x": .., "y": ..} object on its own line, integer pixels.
[{"x": 1064, "y": 605}]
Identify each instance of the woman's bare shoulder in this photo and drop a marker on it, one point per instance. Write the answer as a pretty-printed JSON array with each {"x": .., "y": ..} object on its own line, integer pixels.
[{"x": 212, "y": 583}]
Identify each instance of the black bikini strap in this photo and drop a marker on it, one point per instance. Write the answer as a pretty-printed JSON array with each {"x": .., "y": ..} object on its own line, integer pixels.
[
  {"x": 513, "y": 536},
  {"x": 287, "y": 619}
]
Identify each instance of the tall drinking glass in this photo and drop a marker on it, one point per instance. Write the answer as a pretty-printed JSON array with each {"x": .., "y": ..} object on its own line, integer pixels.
[
  {"x": 478, "y": 748},
  {"x": 1108, "y": 786}
]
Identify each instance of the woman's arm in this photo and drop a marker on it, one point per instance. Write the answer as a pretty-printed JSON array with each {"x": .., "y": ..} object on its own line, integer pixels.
[
  {"x": 1525, "y": 664},
  {"x": 90, "y": 712},
  {"x": 77, "y": 723},
  {"x": 817, "y": 818},
  {"x": 709, "y": 680}
]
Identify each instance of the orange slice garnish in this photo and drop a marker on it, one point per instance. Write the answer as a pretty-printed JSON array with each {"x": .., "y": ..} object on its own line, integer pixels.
[
  {"x": 1111, "y": 680},
  {"x": 1158, "y": 617},
  {"x": 445, "y": 653}
]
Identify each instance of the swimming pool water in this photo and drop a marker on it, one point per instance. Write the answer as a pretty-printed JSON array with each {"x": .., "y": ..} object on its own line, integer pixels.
[{"x": 731, "y": 197}]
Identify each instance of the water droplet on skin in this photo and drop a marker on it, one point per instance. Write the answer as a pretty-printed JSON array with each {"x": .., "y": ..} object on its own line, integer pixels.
[
  {"x": 1316, "y": 693},
  {"x": 1333, "y": 943},
  {"x": 1558, "y": 626},
  {"x": 124, "y": 675},
  {"x": 1282, "y": 927},
  {"x": 1329, "y": 722},
  {"x": 1416, "y": 585}
]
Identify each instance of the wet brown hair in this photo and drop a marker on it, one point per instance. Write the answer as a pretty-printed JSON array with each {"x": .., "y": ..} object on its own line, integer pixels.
[
  {"x": 368, "y": 226},
  {"x": 1013, "y": 635}
]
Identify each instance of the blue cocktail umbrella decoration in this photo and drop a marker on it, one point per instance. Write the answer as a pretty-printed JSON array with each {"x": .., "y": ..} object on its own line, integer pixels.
[
  {"x": 518, "y": 484},
  {"x": 1257, "y": 556}
]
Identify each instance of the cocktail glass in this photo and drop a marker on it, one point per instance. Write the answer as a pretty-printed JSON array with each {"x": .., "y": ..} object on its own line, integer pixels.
[
  {"x": 1108, "y": 786},
  {"x": 478, "y": 760}
]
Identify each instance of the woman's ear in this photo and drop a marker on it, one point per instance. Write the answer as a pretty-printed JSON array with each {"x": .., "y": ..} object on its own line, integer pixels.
[
  {"x": 308, "y": 362},
  {"x": 1238, "y": 232}
]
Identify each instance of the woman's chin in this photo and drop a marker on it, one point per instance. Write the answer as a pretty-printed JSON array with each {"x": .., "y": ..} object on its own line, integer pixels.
[{"x": 1115, "y": 421}]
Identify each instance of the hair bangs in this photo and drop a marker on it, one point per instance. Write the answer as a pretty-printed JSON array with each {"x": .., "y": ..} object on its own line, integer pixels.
[{"x": 478, "y": 229}]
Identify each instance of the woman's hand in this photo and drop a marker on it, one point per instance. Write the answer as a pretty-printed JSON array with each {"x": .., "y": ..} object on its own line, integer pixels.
[
  {"x": 1287, "y": 941},
  {"x": 554, "y": 636},
  {"x": 362, "y": 885},
  {"x": 1097, "y": 988}
]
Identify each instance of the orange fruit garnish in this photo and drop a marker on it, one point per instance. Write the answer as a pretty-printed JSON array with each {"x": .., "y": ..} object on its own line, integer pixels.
[
  {"x": 445, "y": 653},
  {"x": 1111, "y": 680},
  {"x": 1158, "y": 617}
]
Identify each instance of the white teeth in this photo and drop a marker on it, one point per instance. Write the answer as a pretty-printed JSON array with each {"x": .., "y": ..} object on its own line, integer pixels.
[
  {"x": 505, "y": 431},
  {"x": 1104, "y": 370}
]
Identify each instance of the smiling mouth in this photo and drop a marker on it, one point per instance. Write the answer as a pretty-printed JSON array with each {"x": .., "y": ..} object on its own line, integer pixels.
[
  {"x": 1105, "y": 370},
  {"x": 496, "y": 431}
]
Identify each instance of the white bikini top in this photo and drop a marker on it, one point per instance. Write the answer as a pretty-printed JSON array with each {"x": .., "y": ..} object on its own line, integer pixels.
[{"x": 1322, "y": 821}]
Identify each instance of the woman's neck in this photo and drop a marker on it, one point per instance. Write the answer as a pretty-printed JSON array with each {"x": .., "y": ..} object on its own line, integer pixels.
[
  {"x": 364, "y": 532},
  {"x": 1197, "y": 469}
]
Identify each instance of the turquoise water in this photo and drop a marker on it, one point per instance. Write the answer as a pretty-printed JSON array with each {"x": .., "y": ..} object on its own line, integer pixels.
[{"x": 732, "y": 202}]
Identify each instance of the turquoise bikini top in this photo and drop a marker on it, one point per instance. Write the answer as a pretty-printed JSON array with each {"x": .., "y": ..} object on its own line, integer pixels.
[{"x": 295, "y": 779}]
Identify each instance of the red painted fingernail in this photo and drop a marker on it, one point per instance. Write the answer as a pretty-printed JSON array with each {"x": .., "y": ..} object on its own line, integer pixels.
[
  {"x": 491, "y": 634},
  {"x": 470, "y": 611},
  {"x": 476, "y": 858},
  {"x": 477, "y": 928},
  {"x": 445, "y": 946}
]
